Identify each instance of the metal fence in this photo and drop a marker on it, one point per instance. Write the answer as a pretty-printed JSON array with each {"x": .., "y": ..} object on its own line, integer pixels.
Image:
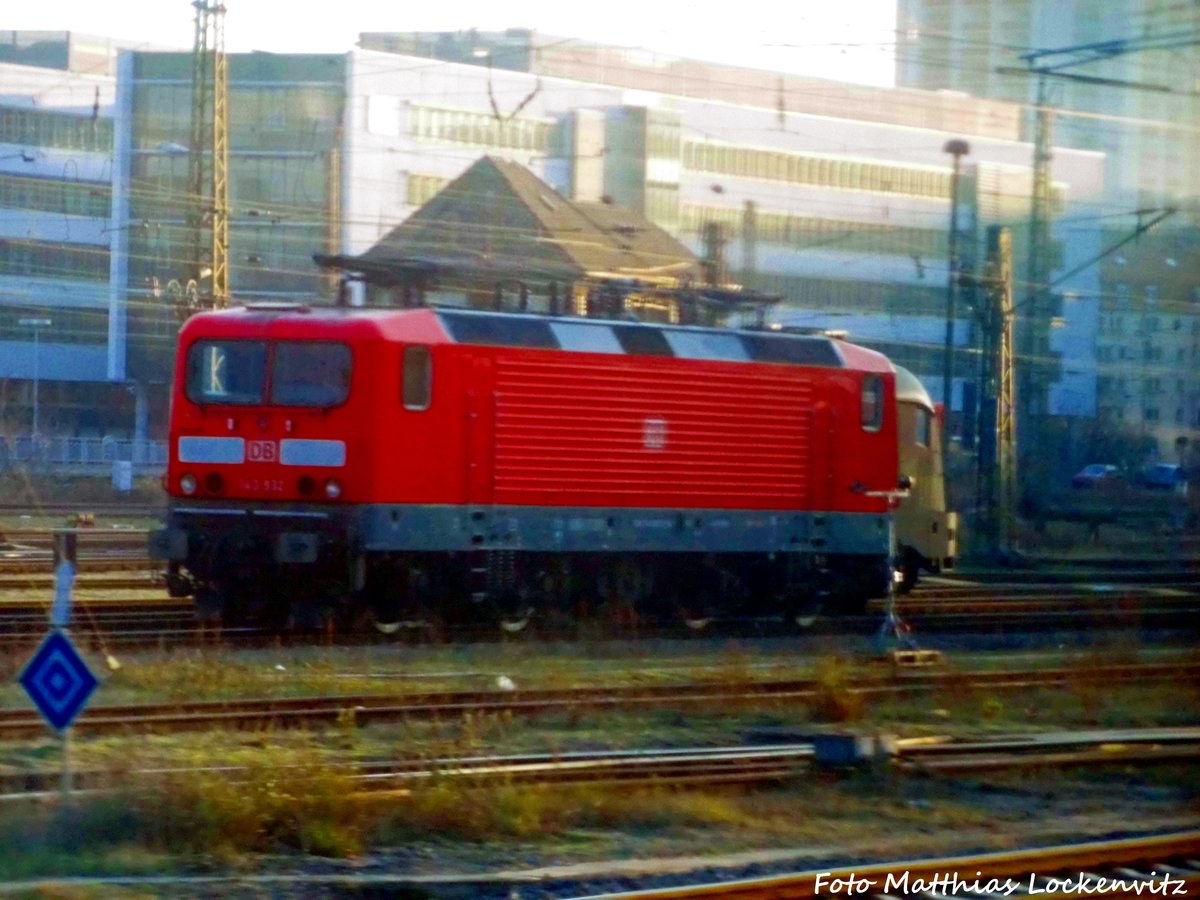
[{"x": 81, "y": 454}]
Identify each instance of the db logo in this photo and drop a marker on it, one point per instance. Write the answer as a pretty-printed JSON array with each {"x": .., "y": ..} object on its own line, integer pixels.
[
  {"x": 262, "y": 451},
  {"x": 654, "y": 434}
]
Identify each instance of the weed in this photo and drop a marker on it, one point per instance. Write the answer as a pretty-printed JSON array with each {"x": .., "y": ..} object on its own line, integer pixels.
[
  {"x": 279, "y": 797},
  {"x": 457, "y": 808},
  {"x": 835, "y": 699}
]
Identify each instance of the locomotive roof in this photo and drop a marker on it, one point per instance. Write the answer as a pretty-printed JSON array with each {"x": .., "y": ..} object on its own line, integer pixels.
[
  {"x": 531, "y": 331},
  {"x": 909, "y": 388}
]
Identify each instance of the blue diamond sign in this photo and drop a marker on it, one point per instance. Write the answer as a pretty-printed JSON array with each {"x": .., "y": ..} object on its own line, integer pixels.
[{"x": 58, "y": 680}]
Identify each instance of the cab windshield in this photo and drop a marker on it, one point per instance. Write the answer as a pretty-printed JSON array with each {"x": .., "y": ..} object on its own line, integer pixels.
[{"x": 258, "y": 373}]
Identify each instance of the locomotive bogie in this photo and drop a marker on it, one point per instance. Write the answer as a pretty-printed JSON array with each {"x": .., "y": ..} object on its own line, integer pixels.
[{"x": 455, "y": 564}]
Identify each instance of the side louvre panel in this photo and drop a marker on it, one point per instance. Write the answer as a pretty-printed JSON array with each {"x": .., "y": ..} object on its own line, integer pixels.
[{"x": 622, "y": 432}]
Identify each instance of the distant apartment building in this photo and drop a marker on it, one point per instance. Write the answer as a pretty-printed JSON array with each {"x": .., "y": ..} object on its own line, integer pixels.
[{"x": 1148, "y": 346}]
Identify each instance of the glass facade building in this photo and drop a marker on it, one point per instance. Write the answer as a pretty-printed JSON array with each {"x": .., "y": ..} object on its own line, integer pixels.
[
  {"x": 834, "y": 196},
  {"x": 285, "y": 121},
  {"x": 56, "y": 139}
]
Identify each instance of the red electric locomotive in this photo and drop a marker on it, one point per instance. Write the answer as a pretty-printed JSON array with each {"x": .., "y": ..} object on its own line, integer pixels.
[{"x": 457, "y": 464}]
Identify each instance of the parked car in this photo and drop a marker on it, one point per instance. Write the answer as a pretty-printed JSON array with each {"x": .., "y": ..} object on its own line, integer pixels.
[
  {"x": 1162, "y": 477},
  {"x": 1095, "y": 475}
]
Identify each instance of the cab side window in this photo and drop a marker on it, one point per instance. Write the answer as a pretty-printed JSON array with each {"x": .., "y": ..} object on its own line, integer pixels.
[
  {"x": 416, "y": 378},
  {"x": 924, "y": 426},
  {"x": 872, "y": 403}
]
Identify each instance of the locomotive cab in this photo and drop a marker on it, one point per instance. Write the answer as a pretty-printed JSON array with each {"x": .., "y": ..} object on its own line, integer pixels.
[
  {"x": 926, "y": 533},
  {"x": 266, "y": 419}
]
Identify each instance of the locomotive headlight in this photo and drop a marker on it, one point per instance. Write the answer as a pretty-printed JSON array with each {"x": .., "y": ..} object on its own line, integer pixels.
[
  {"x": 333, "y": 488},
  {"x": 187, "y": 483}
]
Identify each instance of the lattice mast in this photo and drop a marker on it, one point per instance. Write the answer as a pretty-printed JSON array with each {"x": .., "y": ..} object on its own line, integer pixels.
[
  {"x": 998, "y": 411},
  {"x": 208, "y": 172}
]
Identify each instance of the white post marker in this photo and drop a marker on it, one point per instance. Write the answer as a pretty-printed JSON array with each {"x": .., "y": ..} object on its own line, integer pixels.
[
  {"x": 66, "y": 544},
  {"x": 66, "y": 547}
]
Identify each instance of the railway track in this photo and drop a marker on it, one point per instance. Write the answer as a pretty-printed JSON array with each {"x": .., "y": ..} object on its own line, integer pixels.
[
  {"x": 40, "y": 565},
  {"x": 1130, "y": 868},
  {"x": 680, "y": 766},
  {"x": 257, "y": 713},
  {"x": 157, "y": 621},
  {"x": 1090, "y": 748},
  {"x": 123, "y": 510},
  {"x": 120, "y": 580},
  {"x": 117, "y": 618}
]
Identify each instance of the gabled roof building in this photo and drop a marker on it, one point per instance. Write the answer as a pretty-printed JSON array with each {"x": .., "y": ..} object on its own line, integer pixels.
[{"x": 500, "y": 237}]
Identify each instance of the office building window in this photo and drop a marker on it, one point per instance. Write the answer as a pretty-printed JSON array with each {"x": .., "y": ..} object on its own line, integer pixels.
[
  {"x": 843, "y": 174},
  {"x": 41, "y": 128},
  {"x": 432, "y": 123}
]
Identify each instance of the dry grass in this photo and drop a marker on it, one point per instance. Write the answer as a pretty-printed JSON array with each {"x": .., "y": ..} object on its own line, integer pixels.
[
  {"x": 836, "y": 701},
  {"x": 279, "y": 798},
  {"x": 295, "y": 792},
  {"x": 832, "y": 810}
]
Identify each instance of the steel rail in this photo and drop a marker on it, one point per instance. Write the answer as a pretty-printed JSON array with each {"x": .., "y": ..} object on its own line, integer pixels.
[
  {"x": 112, "y": 561},
  {"x": 295, "y": 711},
  {"x": 697, "y": 765},
  {"x": 1073, "y": 748},
  {"x": 150, "y": 579},
  {"x": 1085, "y": 611},
  {"x": 135, "y": 536},
  {"x": 1118, "y": 754},
  {"x": 128, "y": 510},
  {"x": 181, "y": 629},
  {"x": 700, "y": 765}
]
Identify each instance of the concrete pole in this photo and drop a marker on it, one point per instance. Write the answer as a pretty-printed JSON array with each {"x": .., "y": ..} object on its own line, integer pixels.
[
  {"x": 957, "y": 148},
  {"x": 141, "y": 420}
]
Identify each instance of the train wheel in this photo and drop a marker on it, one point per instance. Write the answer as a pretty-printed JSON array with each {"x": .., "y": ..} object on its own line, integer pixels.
[
  {"x": 387, "y": 597},
  {"x": 271, "y": 612},
  {"x": 208, "y": 605},
  {"x": 699, "y": 604},
  {"x": 804, "y": 609},
  {"x": 313, "y": 614},
  {"x": 516, "y": 621},
  {"x": 696, "y": 615},
  {"x": 513, "y": 610},
  {"x": 910, "y": 571}
]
